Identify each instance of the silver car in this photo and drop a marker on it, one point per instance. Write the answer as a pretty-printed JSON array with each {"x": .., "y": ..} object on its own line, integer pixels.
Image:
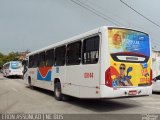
[{"x": 156, "y": 84}]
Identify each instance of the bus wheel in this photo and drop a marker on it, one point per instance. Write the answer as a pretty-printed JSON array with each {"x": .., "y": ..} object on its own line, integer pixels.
[
  {"x": 57, "y": 91},
  {"x": 29, "y": 83}
]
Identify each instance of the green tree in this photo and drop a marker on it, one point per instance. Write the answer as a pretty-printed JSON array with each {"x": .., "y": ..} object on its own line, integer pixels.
[
  {"x": 12, "y": 56},
  {"x": 1, "y": 59}
]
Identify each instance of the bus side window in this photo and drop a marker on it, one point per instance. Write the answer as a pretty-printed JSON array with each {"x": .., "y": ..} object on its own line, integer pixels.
[
  {"x": 91, "y": 50},
  {"x": 42, "y": 62},
  {"x": 60, "y": 53},
  {"x": 7, "y": 66},
  {"x": 31, "y": 61},
  {"x": 50, "y": 58},
  {"x": 36, "y": 57},
  {"x": 73, "y": 53}
]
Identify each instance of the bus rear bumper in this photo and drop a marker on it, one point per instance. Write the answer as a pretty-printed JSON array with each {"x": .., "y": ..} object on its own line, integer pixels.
[
  {"x": 15, "y": 74},
  {"x": 108, "y": 92}
]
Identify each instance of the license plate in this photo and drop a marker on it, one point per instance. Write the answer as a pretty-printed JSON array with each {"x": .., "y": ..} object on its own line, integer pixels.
[{"x": 132, "y": 92}]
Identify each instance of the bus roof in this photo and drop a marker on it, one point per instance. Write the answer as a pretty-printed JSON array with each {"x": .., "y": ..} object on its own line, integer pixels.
[
  {"x": 66, "y": 41},
  {"x": 86, "y": 34}
]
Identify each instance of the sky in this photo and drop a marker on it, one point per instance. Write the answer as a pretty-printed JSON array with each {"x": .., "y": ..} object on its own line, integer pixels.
[{"x": 34, "y": 24}]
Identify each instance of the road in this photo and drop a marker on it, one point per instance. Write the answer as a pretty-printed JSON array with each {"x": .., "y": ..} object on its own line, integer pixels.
[{"x": 16, "y": 97}]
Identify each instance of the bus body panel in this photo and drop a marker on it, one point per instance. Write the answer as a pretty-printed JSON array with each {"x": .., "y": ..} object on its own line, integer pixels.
[
  {"x": 89, "y": 92},
  {"x": 90, "y": 80},
  {"x": 82, "y": 80},
  {"x": 41, "y": 81},
  {"x": 107, "y": 92},
  {"x": 59, "y": 72},
  {"x": 104, "y": 63},
  {"x": 32, "y": 73},
  {"x": 71, "y": 86}
]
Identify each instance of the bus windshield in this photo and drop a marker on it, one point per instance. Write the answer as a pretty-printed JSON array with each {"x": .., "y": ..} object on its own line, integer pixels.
[
  {"x": 128, "y": 41},
  {"x": 16, "y": 65}
]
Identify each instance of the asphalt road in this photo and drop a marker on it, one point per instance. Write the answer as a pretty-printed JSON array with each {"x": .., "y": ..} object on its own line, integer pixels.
[{"x": 16, "y": 97}]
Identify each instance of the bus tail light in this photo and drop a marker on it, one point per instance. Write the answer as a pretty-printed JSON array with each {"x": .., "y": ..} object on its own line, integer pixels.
[
  {"x": 108, "y": 79},
  {"x": 150, "y": 82}
]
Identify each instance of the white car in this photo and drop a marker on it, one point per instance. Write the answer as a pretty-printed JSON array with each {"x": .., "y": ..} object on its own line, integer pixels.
[
  {"x": 12, "y": 68},
  {"x": 156, "y": 84}
]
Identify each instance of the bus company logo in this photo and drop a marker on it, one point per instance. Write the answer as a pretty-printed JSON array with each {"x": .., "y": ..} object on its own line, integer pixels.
[{"x": 44, "y": 73}]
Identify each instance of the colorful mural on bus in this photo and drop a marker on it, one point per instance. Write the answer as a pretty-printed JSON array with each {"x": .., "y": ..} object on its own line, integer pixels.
[
  {"x": 129, "y": 58},
  {"x": 44, "y": 73}
]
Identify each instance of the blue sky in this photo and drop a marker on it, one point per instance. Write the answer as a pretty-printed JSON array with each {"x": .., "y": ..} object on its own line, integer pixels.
[{"x": 33, "y": 24}]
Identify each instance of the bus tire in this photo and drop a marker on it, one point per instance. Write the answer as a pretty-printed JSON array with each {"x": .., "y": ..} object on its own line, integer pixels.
[
  {"x": 30, "y": 83},
  {"x": 58, "y": 91}
]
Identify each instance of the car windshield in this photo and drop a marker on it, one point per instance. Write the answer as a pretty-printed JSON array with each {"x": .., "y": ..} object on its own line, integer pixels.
[{"x": 16, "y": 65}]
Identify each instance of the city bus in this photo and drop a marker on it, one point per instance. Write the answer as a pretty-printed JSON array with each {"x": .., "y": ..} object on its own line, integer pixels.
[
  {"x": 12, "y": 68},
  {"x": 107, "y": 62}
]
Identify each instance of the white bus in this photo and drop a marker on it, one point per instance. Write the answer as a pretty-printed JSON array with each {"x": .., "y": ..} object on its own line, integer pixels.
[
  {"x": 106, "y": 62},
  {"x": 12, "y": 68}
]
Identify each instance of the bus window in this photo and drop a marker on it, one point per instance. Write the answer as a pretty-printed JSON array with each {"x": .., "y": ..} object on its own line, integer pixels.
[
  {"x": 50, "y": 58},
  {"x": 91, "y": 50},
  {"x": 74, "y": 53},
  {"x": 42, "y": 59},
  {"x": 6, "y": 66},
  {"x": 31, "y": 61},
  {"x": 60, "y": 56},
  {"x": 16, "y": 65},
  {"x": 36, "y": 57}
]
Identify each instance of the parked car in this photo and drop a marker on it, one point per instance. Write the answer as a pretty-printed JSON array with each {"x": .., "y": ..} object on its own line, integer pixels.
[
  {"x": 12, "y": 68},
  {"x": 156, "y": 84}
]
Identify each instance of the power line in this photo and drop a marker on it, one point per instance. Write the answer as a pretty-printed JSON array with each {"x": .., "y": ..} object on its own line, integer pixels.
[
  {"x": 156, "y": 43},
  {"x": 99, "y": 12},
  {"x": 101, "y": 9},
  {"x": 94, "y": 11},
  {"x": 102, "y": 15},
  {"x": 140, "y": 14}
]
